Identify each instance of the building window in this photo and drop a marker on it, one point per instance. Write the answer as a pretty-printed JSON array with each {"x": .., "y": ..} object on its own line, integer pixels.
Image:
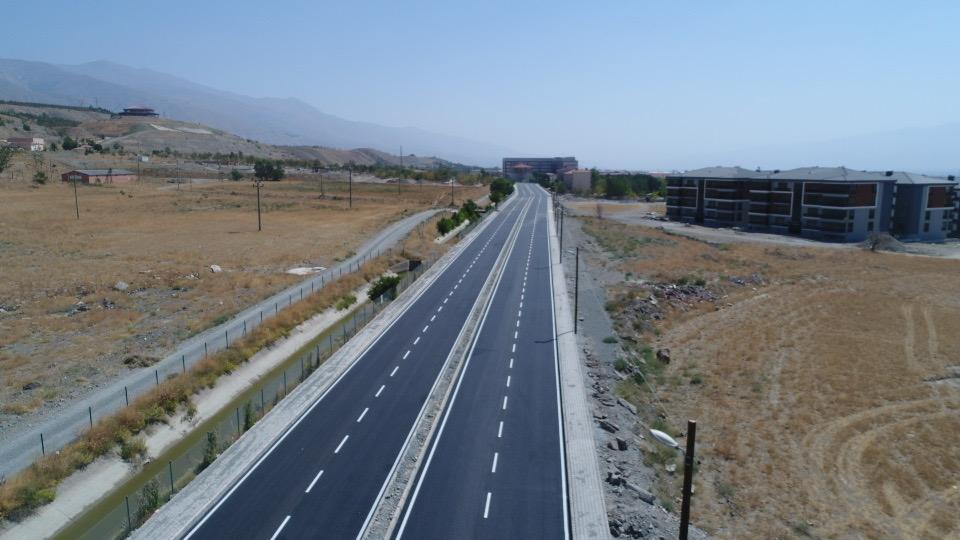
[
  {"x": 849, "y": 227},
  {"x": 849, "y": 214},
  {"x": 870, "y": 226},
  {"x": 926, "y": 227},
  {"x": 873, "y": 213},
  {"x": 927, "y": 217}
]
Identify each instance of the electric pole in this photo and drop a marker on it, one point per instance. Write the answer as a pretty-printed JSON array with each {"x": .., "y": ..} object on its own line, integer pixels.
[
  {"x": 688, "y": 464},
  {"x": 576, "y": 291},
  {"x": 351, "y": 186},
  {"x": 452, "y": 203},
  {"x": 400, "y": 176},
  {"x": 321, "y": 185},
  {"x": 76, "y": 201},
  {"x": 259, "y": 225}
]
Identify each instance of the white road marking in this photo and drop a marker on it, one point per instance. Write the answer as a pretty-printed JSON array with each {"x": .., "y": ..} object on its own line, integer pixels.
[
  {"x": 514, "y": 349},
  {"x": 432, "y": 318},
  {"x": 521, "y": 300},
  {"x": 494, "y": 468},
  {"x": 508, "y": 381},
  {"x": 416, "y": 340},
  {"x": 451, "y": 292},
  {"x": 439, "y": 309},
  {"x": 315, "y": 478},
  {"x": 394, "y": 372},
  {"x": 455, "y": 286},
  {"x": 425, "y": 328},
  {"x": 511, "y": 363},
  {"x": 406, "y": 354},
  {"x": 380, "y": 390},
  {"x": 515, "y": 333},
  {"x": 364, "y": 413},
  {"x": 499, "y": 432},
  {"x": 286, "y": 519},
  {"x": 339, "y": 446},
  {"x": 445, "y": 300},
  {"x": 518, "y": 322},
  {"x": 486, "y": 510},
  {"x": 504, "y": 403}
]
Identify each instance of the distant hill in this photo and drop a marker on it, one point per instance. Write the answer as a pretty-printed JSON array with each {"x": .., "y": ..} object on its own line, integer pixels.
[
  {"x": 146, "y": 135},
  {"x": 279, "y": 121}
]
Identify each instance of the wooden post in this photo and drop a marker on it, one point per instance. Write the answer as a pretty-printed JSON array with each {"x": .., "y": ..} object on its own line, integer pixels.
[{"x": 687, "y": 478}]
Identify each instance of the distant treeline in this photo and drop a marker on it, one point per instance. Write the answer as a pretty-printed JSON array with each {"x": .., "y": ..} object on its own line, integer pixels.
[
  {"x": 613, "y": 186},
  {"x": 52, "y": 106}
]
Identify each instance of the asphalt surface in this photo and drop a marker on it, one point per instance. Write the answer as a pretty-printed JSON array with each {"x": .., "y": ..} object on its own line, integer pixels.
[
  {"x": 496, "y": 466},
  {"x": 21, "y": 445},
  {"x": 323, "y": 477}
]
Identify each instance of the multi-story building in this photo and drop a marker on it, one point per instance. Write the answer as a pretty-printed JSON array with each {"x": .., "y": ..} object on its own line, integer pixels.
[
  {"x": 577, "y": 180},
  {"x": 523, "y": 169},
  {"x": 33, "y": 144},
  {"x": 825, "y": 203}
]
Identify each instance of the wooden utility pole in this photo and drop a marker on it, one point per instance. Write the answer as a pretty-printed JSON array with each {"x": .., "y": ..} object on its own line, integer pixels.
[
  {"x": 259, "y": 224},
  {"x": 576, "y": 292},
  {"x": 687, "y": 478},
  {"x": 400, "y": 176},
  {"x": 76, "y": 201},
  {"x": 351, "y": 186}
]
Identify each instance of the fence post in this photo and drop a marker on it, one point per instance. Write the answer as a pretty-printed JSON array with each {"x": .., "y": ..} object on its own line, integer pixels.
[
  {"x": 43, "y": 449},
  {"x": 301, "y": 368},
  {"x": 129, "y": 523},
  {"x": 170, "y": 469},
  {"x": 330, "y": 338},
  {"x": 263, "y": 407},
  {"x": 205, "y": 349},
  {"x": 226, "y": 338},
  {"x": 156, "y": 375},
  {"x": 126, "y": 396},
  {"x": 275, "y": 308},
  {"x": 238, "y": 420},
  {"x": 90, "y": 413},
  {"x": 183, "y": 362},
  {"x": 284, "y": 383},
  {"x": 261, "y": 315},
  {"x": 301, "y": 293}
]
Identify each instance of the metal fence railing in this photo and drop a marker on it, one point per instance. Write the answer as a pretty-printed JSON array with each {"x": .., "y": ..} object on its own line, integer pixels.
[{"x": 132, "y": 505}]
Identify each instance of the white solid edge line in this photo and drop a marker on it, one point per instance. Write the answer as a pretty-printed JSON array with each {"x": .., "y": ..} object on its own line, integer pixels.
[
  {"x": 364, "y": 413},
  {"x": 339, "y": 446},
  {"x": 330, "y": 388},
  {"x": 556, "y": 372},
  {"x": 453, "y": 398},
  {"x": 315, "y": 478},
  {"x": 380, "y": 390},
  {"x": 280, "y": 528},
  {"x": 486, "y": 507}
]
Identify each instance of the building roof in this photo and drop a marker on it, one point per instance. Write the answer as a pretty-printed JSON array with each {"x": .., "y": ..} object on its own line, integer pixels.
[
  {"x": 818, "y": 174},
  {"x": 101, "y": 172}
]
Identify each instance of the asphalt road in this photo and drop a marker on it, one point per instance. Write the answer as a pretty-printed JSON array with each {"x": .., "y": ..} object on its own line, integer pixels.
[
  {"x": 21, "y": 445},
  {"x": 322, "y": 478},
  {"x": 496, "y": 466}
]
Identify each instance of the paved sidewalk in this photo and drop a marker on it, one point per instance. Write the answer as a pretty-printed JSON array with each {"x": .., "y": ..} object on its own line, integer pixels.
[
  {"x": 20, "y": 445},
  {"x": 588, "y": 514}
]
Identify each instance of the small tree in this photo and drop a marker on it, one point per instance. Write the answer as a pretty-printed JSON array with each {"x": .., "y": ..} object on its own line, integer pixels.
[
  {"x": 5, "y": 154},
  {"x": 40, "y": 177},
  {"x": 235, "y": 175},
  {"x": 70, "y": 144},
  {"x": 210, "y": 451}
]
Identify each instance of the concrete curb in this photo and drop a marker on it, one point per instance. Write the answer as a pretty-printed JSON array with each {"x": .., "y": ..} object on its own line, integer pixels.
[
  {"x": 398, "y": 487},
  {"x": 588, "y": 513},
  {"x": 178, "y": 516}
]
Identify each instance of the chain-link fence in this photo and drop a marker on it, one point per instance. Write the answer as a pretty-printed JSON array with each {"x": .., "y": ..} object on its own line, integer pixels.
[{"x": 143, "y": 495}]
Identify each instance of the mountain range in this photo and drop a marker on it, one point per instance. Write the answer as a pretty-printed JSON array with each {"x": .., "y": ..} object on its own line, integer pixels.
[{"x": 278, "y": 121}]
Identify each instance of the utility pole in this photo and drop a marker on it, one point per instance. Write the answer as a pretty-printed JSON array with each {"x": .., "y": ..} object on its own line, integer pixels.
[
  {"x": 687, "y": 478},
  {"x": 452, "y": 203},
  {"x": 321, "y": 184},
  {"x": 561, "y": 234},
  {"x": 400, "y": 176},
  {"x": 259, "y": 225},
  {"x": 139, "y": 153},
  {"x": 76, "y": 201},
  {"x": 576, "y": 292},
  {"x": 351, "y": 186}
]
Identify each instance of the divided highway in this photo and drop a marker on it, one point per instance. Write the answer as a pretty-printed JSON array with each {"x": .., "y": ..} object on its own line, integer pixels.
[
  {"x": 496, "y": 468},
  {"x": 323, "y": 477}
]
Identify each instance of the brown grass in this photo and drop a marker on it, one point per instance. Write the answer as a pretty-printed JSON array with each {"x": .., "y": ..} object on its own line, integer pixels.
[
  {"x": 36, "y": 485},
  {"x": 161, "y": 242},
  {"x": 817, "y": 410}
]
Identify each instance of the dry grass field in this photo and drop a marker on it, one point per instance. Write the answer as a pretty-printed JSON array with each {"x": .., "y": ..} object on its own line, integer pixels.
[
  {"x": 825, "y": 382},
  {"x": 161, "y": 241}
]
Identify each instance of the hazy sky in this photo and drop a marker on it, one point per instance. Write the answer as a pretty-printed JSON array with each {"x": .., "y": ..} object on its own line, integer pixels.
[{"x": 619, "y": 84}]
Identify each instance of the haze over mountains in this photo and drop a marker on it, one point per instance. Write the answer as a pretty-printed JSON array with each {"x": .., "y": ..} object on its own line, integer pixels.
[{"x": 283, "y": 121}]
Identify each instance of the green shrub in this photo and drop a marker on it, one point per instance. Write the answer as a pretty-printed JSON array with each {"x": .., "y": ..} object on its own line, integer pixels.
[
  {"x": 132, "y": 447},
  {"x": 620, "y": 364},
  {"x": 345, "y": 302},
  {"x": 609, "y": 339},
  {"x": 382, "y": 285}
]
